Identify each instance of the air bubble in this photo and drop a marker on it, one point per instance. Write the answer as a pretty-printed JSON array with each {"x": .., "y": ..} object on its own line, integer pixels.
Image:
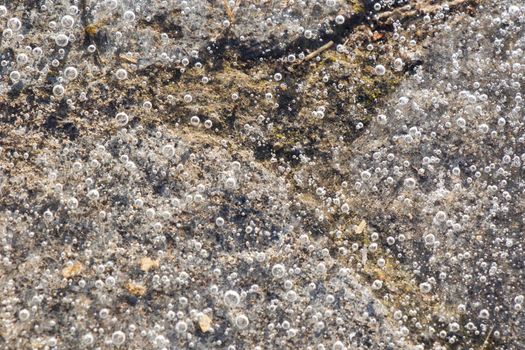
[
  {"x": 377, "y": 284},
  {"x": 87, "y": 339},
  {"x": 14, "y": 76},
  {"x": 118, "y": 338},
  {"x": 181, "y": 327},
  {"x": 195, "y": 121},
  {"x": 484, "y": 314},
  {"x": 121, "y": 74},
  {"x": 380, "y": 70},
  {"x": 241, "y": 321},
  {"x": 112, "y": 4},
  {"x": 72, "y": 203},
  {"x": 70, "y": 73},
  {"x": 219, "y": 222},
  {"x": 398, "y": 64},
  {"x": 231, "y": 298},
  {"x": 24, "y": 315},
  {"x": 58, "y": 90},
  {"x": 278, "y": 271},
  {"x": 425, "y": 287},
  {"x": 122, "y": 118},
  {"x": 67, "y": 21},
  {"x": 62, "y": 40},
  {"x": 440, "y": 217},
  {"x": 168, "y": 151},
  {"x": 129, "y": 16},
  {"x": 14, "y": 24}
]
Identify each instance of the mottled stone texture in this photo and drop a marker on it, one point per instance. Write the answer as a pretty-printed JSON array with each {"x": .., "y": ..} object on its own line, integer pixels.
[{"x": 261, "y": 174}]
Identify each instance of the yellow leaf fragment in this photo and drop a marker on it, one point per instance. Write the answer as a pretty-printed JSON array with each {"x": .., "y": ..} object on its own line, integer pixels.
[
  {"x": 361, "y": 227},
  {"x": 91, "y": 29},
  {"x": 72, "y": 270},
  {"x": 205, "y": 323},
  {"x": 136, "y": 289},
  {"x": 147, "y": 264}
]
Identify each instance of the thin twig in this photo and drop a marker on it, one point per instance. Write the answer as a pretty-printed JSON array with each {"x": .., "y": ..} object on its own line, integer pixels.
[
  {"x": 229, "y": 11},
  {"x": 128, "y": 59},
  {"x": 486, "y": 342},
  {"x": 318, "y": 51}
]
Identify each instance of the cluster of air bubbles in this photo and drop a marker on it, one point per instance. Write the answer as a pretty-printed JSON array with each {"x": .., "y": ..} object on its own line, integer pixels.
[{"x": 163, "y": 165}]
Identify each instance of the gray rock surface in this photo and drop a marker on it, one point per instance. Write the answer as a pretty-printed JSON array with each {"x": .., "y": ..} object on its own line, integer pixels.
[{"x": 261, "y": 174}]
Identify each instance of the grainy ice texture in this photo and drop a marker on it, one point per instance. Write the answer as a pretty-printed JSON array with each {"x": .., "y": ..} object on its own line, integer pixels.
[{"x": 262, "y": 174}]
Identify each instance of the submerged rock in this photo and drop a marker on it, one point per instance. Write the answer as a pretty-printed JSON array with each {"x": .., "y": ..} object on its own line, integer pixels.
[{"x": 261, "y": 174}]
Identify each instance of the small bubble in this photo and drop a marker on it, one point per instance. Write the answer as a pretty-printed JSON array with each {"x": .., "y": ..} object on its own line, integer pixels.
[
  {"x": 118, "y": 338},
  {"x": 129, "y": 16},
  {"x": 48, "y": 216},
  {"x": 88, "y": 339},
  {"x": 58, "y": 90},
  {"x": 231, "y": 298},
  {"x": 410, "y": 182},
  {"x": 168, "y": 151},
  {"x": 308, "y": 34},
  {"x": 461, "y": 122},
  {"x": 93, "y": 194},
  {"x": 72, "y": 203},
  {"x": 377, "y": 284},
  {"x": 430, "y": 239},
  {"x": 67, "y": 21},
  {"x": 70, "y": 73},
  {"x": 241, "y": 321},
  {"x": 219, "y": 221},
  {"x": 425, "y": 287},
  {"x": 483, "y": 128},
  {"x": 24, "y": 315},
  {"x": 195, "y": 121},
  {"x": 62, "y": 40},
  {"x": 181, "y": 327},
  {"x": 440, "y": 217},
  {"x": 380, "y": 70},
  {"x": 15, "y": 76},
  {"x": 484, "y": 314},
  {"x": 398, "y": 64},
  {"x": 147, "y": 105},
  {"x": 14, "y": 24},
  {"x": 278, "y": 270},
  {"x": 121, "y": 74},
  {"x": 122, "y": 118}
]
